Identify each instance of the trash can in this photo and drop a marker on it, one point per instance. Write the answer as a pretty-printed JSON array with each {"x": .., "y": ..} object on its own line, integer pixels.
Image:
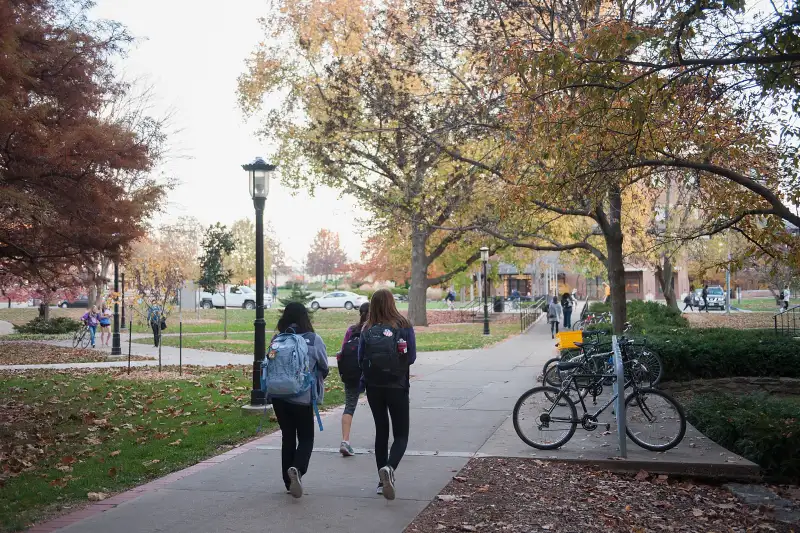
[{"x": 498, "y": 304}]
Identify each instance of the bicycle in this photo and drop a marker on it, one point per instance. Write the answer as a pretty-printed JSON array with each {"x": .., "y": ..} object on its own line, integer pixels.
[
  {"x": 553, "y": 408},
  {"x": 82, "y": 338}
]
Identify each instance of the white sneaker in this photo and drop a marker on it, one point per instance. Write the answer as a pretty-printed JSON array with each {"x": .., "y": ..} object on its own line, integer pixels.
[
  {"x": 295, "y": 482},
  {"x": 386, "y": 475},
  {"x": 380, "y": 489},
  {"x": 346, "y": 450}
]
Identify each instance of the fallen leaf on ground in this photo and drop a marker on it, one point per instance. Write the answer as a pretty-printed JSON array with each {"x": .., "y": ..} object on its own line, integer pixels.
[
  {"x": 115, "y": 453},
  {"x": 176, "y": 443},
  {"x": 97, "y": 496}
]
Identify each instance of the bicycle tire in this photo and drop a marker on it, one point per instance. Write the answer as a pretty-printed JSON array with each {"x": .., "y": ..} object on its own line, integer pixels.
[
  {"x": 547, "y": 365},
  {"x": 86, "y": 340},
  {"x": 655, "y": 365},
  {"x": 577, "y": 326},
  {"x": 573, "y": 424},
  {"x": 78, "y": 337},
  {"x": 636, "y": 395}
]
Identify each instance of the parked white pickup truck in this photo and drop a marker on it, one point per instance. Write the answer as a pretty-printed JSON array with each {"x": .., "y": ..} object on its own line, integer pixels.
[{"x": 238, "y": 296}]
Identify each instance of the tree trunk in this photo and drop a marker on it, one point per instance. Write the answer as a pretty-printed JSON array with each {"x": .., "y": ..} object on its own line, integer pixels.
[
  {"x": 225, "y": 311},
  {"x": 664, "y": 275},
  {"x": 92, "y": 294},
  {"x": 616, "y": 267},
  {"x": 417, "y": 301},
  {"x": 44, "y": 310}
]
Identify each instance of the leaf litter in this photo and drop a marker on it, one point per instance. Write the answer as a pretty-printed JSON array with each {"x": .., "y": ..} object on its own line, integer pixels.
[{"x": 494, "y": 495}]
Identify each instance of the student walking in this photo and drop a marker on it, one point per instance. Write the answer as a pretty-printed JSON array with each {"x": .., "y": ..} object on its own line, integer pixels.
[
  {"x": 350, "y": 373},
  {"x": 91, "y": 318},
  {"x": 295, "y": 412},
  {"x": 687, "y": 302},
  {"x": 105, "y": 325},
  {"x": 554, "y": 316},
  {"x": 787, "y": 295},
  {"x": 704, "y": 295},
  {"x": 386, "y": 350},
  {"x": 155, "y": 317},
  {"x": 566, "y": 305}
]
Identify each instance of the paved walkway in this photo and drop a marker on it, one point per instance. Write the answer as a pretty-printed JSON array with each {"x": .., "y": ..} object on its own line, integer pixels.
[{"x": 460, "y": 408}]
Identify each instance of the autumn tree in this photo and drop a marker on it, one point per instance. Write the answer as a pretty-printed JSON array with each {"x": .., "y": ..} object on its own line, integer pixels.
[
  {"x": 243, "y": 258},
  {"x": 156, "y": 269},
  {"x": 218, "y": 243},
  {"x": 325, "y": 257},
  {"x": 65, "y": 166},
  {"x": 353, "y": 101}
]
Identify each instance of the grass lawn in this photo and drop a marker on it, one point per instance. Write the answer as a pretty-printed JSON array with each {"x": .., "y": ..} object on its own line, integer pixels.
[
  {"x": 65, "y": 434},
  {"x": 22, "y": 315},
  {"x": 756, "y": 304},
  {"x": 432, "y": 338}
]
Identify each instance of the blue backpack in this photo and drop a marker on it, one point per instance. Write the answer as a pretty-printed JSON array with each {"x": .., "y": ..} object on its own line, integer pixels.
[{"x": 286, "y": 369}]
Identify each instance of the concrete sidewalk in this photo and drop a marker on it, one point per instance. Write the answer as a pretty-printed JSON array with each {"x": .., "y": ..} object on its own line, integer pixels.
[{"x": 461, "y": 402}]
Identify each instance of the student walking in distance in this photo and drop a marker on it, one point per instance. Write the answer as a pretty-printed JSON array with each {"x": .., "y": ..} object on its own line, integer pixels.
[
  {"x": 566, "y": 305},
  {"x": 787, "y": 295},
  {"x": 553, "y": 316},
  {"x": 295, "y": 410},
  {"x": 386, "y": 350},
  {"x": 91, "y": 318},
  {"x": 704, "y": 295},
  {"x": 105, "y": 325},
  {"x": 155, "y": 317},
  {"x": 350, "y": 372}
]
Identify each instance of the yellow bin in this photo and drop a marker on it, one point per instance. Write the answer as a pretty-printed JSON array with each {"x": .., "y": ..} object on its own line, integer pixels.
[{"x": 567, "y": 339}]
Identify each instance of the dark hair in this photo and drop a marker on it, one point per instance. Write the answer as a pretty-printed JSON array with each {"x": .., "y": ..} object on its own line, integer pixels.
[
  {"x": 295, "y": 315},
  {"x": 382, "y": 310},
  {"x": 565, "y": 296},
  {"x": 363, "y": 313},
  {"x": 555, "y": 299}
]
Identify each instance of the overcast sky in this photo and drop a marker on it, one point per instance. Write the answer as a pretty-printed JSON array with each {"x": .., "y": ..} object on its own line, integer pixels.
[{"x": 192, "y": 53}]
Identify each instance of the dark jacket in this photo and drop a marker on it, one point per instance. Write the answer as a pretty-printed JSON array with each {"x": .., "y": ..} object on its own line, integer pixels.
[{"x": 411, "y": 355}]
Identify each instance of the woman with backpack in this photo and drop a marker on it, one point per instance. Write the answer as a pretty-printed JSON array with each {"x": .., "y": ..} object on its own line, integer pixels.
[
  {"x": 553, "y": 316},
  {"x": 295, "y": 412},
  {"x": 386, "y": 349},
  {"x": 566, "y": 305},
  {"x": 350, "y": 372}
]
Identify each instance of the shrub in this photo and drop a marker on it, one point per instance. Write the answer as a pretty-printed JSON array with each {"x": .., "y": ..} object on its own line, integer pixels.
[
  {"x": 722, "y": 352},
  {"x": 764, "y": 429},
  {"x": 400, "y": 291},
  {"x": 53, "y": 326}
]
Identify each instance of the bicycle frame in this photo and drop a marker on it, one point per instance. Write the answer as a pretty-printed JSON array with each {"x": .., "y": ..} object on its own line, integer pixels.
[{"x": 572, "y": 380}]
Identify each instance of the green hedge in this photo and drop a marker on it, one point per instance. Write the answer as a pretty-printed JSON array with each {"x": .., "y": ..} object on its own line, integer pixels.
[
  {"x": 53, "y": 326},
  {"x": 764, "y": 429}
]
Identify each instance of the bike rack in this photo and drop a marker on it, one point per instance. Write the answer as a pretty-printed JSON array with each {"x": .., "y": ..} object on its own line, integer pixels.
[{"x": 619, "y": 408}]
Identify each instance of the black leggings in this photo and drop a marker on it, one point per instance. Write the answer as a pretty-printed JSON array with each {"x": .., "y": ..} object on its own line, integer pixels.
[
  {"x": 384, "y": 403},
  {"x": 553, "y": 327},
  {"x": 297, "y": 435},
  {"x": 156, "y": 332}
]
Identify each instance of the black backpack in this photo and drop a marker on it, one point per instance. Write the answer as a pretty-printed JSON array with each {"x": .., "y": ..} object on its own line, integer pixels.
[
  {"x": 347, "y": 362},
  {"x": 381, "y": 362}
]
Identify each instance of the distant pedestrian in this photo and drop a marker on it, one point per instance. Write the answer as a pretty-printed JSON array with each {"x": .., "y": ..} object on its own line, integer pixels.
[
  {"x": 295, "y": 414},
  {"x": 787, "y": 295},
  {"x": 687, "y": 301},
  {"x": 350, "y": 373},
  {"x": 704, "y": 296},
  {"x": 386, "y": 350},
  {"x": 554, "y": 313},
  {"x": 451, "y": 299},
  {"x": 92, "y": 319},
  {"x": 155, "y": 318},
  {"x": 607, "y": 293},
  {"x": 105, "y": 325},
  {"x": 566, "y": 305}
]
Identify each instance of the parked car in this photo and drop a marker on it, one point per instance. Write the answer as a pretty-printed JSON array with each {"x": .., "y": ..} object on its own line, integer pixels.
[
  {"x": 716, "y": 297},
  {"x": 338, "y": 299},
  {"x": 82, "y": 301},
  {"x": 237, "y": 296}
]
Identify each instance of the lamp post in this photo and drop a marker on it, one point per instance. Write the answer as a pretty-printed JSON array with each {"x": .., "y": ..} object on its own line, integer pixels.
[
  {"x": 122, "y": 281},
  {"x": 116, "y": 345},
  {"x": 258, "y": 173},
  {"x": 485, "y": 260}
]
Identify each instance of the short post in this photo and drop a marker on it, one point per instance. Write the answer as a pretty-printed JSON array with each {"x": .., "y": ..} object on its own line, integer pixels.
[
  {"x": 619, "y": 390},
  {"x": 122, "y": 280},
  {"x": 521, "y": 323},
  {"x": 130, "y": 342},
  {"x": 180, "y": 348},
  {"x": 159, "y": 350}
]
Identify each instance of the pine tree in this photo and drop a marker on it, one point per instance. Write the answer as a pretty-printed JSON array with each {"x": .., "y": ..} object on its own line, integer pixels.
[{"x": 297, "y": 295}]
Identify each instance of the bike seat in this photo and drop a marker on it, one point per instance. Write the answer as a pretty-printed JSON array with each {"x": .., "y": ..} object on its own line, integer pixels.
[
  {"x": 568, "y": 365},
  {"x": 578, "y": 344}
]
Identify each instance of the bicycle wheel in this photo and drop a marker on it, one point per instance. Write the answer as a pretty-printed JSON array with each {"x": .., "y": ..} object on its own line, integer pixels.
[
  {"x": 550, "y": 363},
  {"x": 542, "y": 424},
  {"x": 650, "y": 360},
  {"x": 653, "y": 420},
  {"x": 576, "y": 326},
  {"x": 78, "y": 338},
  {"x": 85, "y": 340}
]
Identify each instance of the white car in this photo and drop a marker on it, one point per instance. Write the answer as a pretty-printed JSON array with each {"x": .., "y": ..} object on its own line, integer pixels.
[
  {"x": 339, "y": 299},
  {"x": 238, "y": 296}
]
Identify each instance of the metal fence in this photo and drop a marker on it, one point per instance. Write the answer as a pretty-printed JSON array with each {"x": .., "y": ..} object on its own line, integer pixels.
[
  {"x": 529, "y": 313},
  {"x": 787, "y": 322}
]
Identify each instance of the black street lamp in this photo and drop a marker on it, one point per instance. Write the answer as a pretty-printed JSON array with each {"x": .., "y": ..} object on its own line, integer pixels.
[
  {"x": 116, "y": 345},
  {"x": 485, "y": 260},
  {"x": 258, "y": 173},
  {"x": 122, "y": 281}
]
